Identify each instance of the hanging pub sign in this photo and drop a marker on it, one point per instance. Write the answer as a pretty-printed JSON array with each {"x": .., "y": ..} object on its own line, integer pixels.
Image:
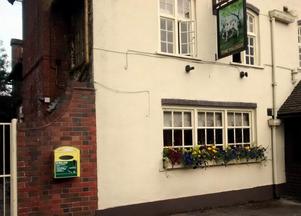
[{"x": 232, "y": 28}]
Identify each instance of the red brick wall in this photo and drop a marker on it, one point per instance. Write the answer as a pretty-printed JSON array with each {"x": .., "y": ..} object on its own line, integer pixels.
[{"x": 73, "y": 124}]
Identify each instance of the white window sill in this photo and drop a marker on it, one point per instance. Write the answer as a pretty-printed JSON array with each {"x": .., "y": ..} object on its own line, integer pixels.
[
  {"x": 193, "y": 58},
  {"x": 169, "y": 167},
  {"x": 246, "y": 65}
]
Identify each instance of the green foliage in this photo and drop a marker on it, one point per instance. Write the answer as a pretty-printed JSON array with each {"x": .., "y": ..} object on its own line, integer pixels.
[
  {"x": 201, "y": 156},
  {"x": 4, "y": 83}
]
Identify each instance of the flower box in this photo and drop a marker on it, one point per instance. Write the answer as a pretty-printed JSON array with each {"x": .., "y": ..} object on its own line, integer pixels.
[{"x": 195, "y": 157}]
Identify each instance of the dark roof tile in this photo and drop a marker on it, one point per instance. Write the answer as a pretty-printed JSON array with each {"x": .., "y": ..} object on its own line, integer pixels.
[{"x": 292, "y": 105}]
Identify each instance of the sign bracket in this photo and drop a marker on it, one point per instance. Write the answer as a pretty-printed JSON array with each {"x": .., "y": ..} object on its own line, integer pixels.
[{"x": 216, "y": 6}]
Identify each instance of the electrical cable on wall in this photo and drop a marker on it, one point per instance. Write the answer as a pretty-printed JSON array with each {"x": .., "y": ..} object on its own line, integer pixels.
[
  {"x": 163, "y": 56},
  {"x": 117, "y": 91}
]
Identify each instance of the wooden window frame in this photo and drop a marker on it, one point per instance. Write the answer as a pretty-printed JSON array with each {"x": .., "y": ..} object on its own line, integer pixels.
[
  {"x": 225, "y": 127},
  {"x": 246, "y": 56},
  {"x": 178, "y": 20}
]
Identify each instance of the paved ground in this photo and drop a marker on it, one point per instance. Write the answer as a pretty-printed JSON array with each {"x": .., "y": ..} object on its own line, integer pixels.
[{"x": 270, "y": 208}]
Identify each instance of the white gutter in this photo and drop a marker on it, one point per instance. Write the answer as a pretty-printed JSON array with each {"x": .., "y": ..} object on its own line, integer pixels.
[
  {"x": 274, "y": 84},
  {"x": 285, "y": 18}
]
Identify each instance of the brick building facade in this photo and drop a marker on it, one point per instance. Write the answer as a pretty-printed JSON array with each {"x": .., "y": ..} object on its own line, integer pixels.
[
  {"x": 146, "y": 102},
  {"x": 58, "y": 110}
]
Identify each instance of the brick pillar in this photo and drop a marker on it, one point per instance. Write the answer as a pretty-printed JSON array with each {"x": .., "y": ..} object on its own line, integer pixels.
[{"x": 71, "y": 124}]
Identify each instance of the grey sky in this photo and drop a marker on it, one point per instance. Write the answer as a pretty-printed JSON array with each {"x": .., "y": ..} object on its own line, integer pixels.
[{"x": 10, "y": 23}]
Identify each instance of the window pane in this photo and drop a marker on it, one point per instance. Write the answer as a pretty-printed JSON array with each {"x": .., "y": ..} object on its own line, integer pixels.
[
  {"x": 230, "y": 135},
  {"x": 187, "y": 119},
  {"x": 163, "y": 47},
  {"x": 184, "y": 49},
  {"x": 184, "y": 8},
  {"x": 184, "y": 26},
  {"x": 167, "y": 35},
  {"x": 230, "y": 119},
  {"x": 167, "y": 119},
  {"x": 238, "y": 119},
  {"x": 178, "y": 137},
  {"x": 201, "y": 136},
  {"x": 177, "y": 119},
  {"x": 170, "y": 48},
  {"x": 251, "y": 51},
  {"x": 252, "y": 60},
  {"x": 184, "y": 38},
  {"x": 167, "y": 137},
  {"x": 218, "y": 119},
  {"x": 201, "y": 119},
  {"x": 251, "y": 41},
  {"x": 188, "y": 137},
  {"x": 169, "y": 25},
  {"x": 238, "y": 135},
  {"x": 247, "y": 60},
  {"x": 246, "y": 121},
  {"x": 219, "y": 136},
  {"x": 210, "y": 136},
  {"x": 246, "y": 135},
  {"x": 170, "y": 37},
  {"x": 250, "y": 23},
  {"x": 236, "y": 57},
  {"x": 210, "y": 122},
  {"x": 163, "y": 23},
  {"x": 163, "y": 35},
  {"x": 167, "y": 6}
]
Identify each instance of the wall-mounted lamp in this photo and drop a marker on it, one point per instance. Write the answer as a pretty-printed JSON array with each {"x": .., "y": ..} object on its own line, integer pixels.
[
  {"x": 188, "y": 68},
  {"x": 243, "y": 74}
]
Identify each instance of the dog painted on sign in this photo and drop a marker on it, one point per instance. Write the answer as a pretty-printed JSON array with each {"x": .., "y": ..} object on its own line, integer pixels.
[{"x": 230, "y": 27}]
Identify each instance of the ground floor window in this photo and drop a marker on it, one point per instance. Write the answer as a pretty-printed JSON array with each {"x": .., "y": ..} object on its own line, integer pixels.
[{"x": 208, "y": 127}]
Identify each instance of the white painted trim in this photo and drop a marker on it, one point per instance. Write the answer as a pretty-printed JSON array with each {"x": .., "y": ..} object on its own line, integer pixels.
[
  {"x": 194, "y": 114},
  {"x": 13, "y": 168},
  {"x": 176, "y": 33},
  {"x": 247, "y": 66}
]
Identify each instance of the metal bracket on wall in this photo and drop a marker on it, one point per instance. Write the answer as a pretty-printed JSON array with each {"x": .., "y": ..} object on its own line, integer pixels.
[{"x": 216, "y": 5}]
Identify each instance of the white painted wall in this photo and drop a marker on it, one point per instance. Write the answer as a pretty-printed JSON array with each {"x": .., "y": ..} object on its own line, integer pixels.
[{"x": 130, "y": 86}]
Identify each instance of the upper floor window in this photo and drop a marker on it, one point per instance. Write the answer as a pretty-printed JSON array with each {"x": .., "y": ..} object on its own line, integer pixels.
[
  {"x": 177, "y": 28},
  {"x": 299, "y": 42},
  {"x": 250, "y": 55}
]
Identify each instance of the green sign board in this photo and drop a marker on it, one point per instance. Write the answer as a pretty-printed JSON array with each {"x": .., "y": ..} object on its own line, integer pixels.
[
  {"x": 232, "y": 28},
  {"x": 65, "y": 169}
]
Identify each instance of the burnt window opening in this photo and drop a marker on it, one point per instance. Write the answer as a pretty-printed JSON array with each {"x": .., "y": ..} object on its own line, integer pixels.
[
  {"x": 68, "y": 40},
  {"x": 77, "y": 40}
]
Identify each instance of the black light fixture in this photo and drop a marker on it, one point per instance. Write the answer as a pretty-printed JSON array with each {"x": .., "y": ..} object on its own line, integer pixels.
[
  {"x": 188, "y": 68},
  {"x": 243, "y": 74}
]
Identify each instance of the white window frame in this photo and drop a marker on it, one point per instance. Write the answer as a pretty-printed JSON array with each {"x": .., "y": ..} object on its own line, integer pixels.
[
  {"x": 245, "y": 56},
  {"x": 177, "y": 20},
  {"x": 213, "y": 127},
  {"x": 195, "y": 125},
  {"x": 182, "y": 128},
  {"x": 236, "y": 127}
]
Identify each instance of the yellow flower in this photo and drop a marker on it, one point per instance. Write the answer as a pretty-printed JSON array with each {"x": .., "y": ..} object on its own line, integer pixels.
[{"x": 209, "y": 148}]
